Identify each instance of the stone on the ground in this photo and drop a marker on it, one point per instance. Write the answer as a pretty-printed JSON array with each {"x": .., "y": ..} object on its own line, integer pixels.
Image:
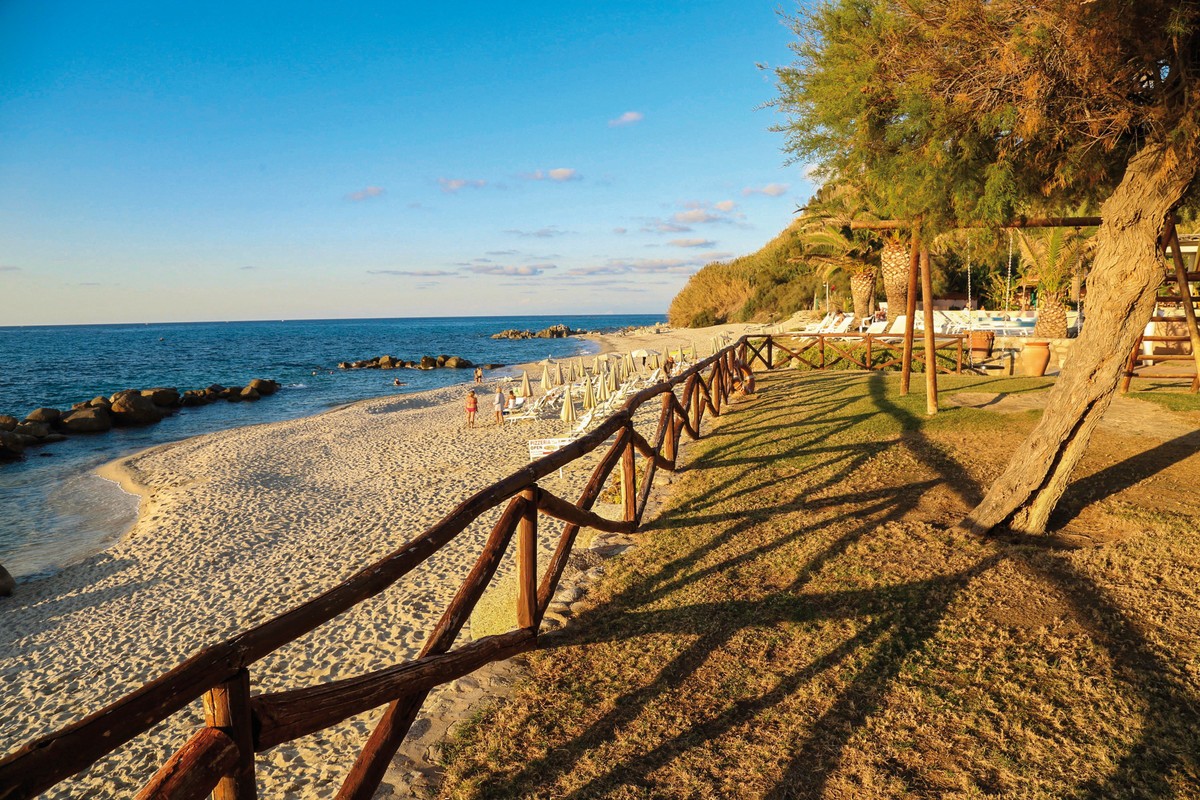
[
  {"x": 162, "y": 396},
  {"x": 134, "y": 409},
  {"x": 86, "y": 420},
  {"x": 46, "y": 415}
]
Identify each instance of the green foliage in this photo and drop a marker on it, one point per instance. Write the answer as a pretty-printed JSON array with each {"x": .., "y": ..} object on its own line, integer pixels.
[
  {"x": 1051, "y": 258},
  {"x": 770, "y": 284}
]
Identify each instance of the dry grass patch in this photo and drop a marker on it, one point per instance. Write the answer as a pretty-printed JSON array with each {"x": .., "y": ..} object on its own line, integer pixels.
[{"x": 803, "y": 621}]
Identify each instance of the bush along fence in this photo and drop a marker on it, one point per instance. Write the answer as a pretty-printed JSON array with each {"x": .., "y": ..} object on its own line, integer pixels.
[
  {"x": 220, "y": 757},
  {"x": 865, "y": 351}
]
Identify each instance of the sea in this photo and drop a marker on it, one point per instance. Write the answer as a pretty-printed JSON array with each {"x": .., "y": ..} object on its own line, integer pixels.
[{"x": 54, "y": 509}]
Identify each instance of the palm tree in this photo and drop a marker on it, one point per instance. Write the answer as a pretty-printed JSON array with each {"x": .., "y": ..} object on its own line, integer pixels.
[
  {"x": 828, "y": 241},
  {"x": 894, "y": 262},
  {"x": 1052, "y": 260}
]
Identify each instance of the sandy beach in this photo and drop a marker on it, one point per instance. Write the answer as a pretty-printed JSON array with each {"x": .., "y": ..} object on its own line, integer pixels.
[{"x": 238, "y": 526}]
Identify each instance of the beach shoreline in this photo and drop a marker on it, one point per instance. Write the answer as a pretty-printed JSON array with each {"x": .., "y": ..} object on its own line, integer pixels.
[{"x": 237, "y": 526}]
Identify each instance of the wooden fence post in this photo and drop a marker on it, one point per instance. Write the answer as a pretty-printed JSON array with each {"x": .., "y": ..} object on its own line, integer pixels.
[
  {"x": 629, "y": 481},
  {"x": 669, "y": 441},
  {"x": 910, "y": 319},
  {"x": 227, "y": 707},
  {"x": 931, "y": 385},
  {"x": 527, "y": 561},
  {"x": 770, "y": 353}
]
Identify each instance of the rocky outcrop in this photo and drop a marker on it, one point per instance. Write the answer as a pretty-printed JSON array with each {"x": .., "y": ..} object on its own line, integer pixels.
[
  {"x": 127, "y": 407},
  {"x": 7, "y": 584},
  {"x": 86, "y": 420},
  {"x": 425, "y": 362},
  {"x": 46, "y": 415},
  {"x": 132, "y": 408},
  {"x": 558, "y": 331}
]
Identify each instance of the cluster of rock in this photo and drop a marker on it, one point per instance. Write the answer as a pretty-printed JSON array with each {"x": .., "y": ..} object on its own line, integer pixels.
[
  {"x": 558, "y": 331},
  {"x": 425, "y": 362},
  {"x": 125, "y": 408}
]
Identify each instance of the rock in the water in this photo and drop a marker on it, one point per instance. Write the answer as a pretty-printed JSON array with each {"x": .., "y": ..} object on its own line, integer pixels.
[
  {"x": 163, "y": 397},
  {"x": 35, "y": 429},
  {"x": 249, "y": 393},
  {"x": 46, "y": 415},
  {"x": 7, "y": 583},
  {"x": 387, "y": 362},
  {"x": 100, "y": 402},
  {"x": 264, "y": 386},
  {"x": 7, "y": 423},
  {"x": 457, "y": 362},
  {"x": 51, "y": 438},
  {"x": 86, "y": 420},
  {"x": 134, "y": 409},
  {"x": 11, "y": 445},
  {"x": 558, "y": 331},
  {"x": 428, "y": 362},
  {"x": 492, "y": 366}
]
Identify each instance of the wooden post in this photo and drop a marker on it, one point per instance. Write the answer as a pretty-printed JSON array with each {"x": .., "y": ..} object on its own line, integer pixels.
[
  {"x": 931, "y": 389},
  {"x": 227, "y": 707},
  {"x": 770, "y": 353},
  {"x": 958, "y": 364},
  {"x": 669, "y": 442},
  {"x": 1185, "y": 295},
  {"x": 527, "y": 561},
  {"x": 911, "y": 314},
  {"x": 629, "y": 481},
  {"x": 870, "y": 338},
  {"x": 821, "y": 348}
]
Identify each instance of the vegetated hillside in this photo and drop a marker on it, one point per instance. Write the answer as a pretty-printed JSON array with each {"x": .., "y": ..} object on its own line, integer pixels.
[{"x": 770, "y": 284}]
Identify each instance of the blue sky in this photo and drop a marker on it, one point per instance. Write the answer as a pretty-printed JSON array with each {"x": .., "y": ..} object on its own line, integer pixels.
[{"x": 170, "y": 162}]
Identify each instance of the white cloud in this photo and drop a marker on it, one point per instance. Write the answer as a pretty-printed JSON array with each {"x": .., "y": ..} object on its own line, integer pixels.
[
  {"x": 558, "y": 174},
  {"x": 9, "y": 268},
  {"x": 541, "y": 233},
  {"x": 525, "y": 270},
  {"x": 664, "y": 226},
  {"x": 620, "y": 231},
  {"x": 770, "y": 190},
  {"x": 725, "y": 205},
  {"x": 695, "y": 213},
  {"x": 414, "y": 273},
  {"x": 645, "y": 266},
  {"x": 628, "y": 118},
  {"x": 365, "y": 194},
  {"x": 452, "y": 185},
  {"x": 693, "y": 242}
]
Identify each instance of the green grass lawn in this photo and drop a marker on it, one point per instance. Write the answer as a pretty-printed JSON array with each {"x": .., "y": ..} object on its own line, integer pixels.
[{"x": 803, "y": 620}]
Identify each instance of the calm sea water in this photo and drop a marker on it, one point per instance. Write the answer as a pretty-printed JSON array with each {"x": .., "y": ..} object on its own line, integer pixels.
[{"x": 54, "y": 510}]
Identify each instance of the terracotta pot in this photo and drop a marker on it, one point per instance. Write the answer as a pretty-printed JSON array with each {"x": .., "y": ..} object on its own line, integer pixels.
[
  {"x": 1035, "y": 356},
  {"x": 981, "y": 344}
]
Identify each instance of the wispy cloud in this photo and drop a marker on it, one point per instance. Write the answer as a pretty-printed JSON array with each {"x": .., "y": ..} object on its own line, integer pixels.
[
  {"x": 248, "y": 267},
  {"x": 628, "y": 118},
  {"x": 670, "y": 266},
  {"x": 664, "y": 226},
  {"x": 558, "y": 174},
  {"x": 9, "y": 268},
  {"x": 693, "y": 242},
  {"x": 452, "y": 185},
  {"x": 548, "y": 232},
  {"x": 414, "y": 273},
  {"x": 524, "y": 271},
  {"x": 365, "y": 194},
  {"x": 502, "y": 253},
  {"x": 770, "y": 190},
  {"x": 620, "y": 231},
  {"x": 695, "y": 213}
]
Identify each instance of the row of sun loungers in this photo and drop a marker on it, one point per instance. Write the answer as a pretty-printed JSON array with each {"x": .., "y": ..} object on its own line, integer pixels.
[{"x": 948, "y": 322}]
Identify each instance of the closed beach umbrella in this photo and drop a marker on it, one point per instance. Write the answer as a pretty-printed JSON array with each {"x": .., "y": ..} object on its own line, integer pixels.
[
  {"x": 526, "y": 390},
  {"x": 558, "y": 374},
  {"x": 546, "y": 385},
  {"x": 613, "y": 381},
  {"x": 630, "y": 367},
  {"x": 579, "y": 370},
  {"x": 602, "y": 391},
  {"x": 589, "y": 396},
  {"x": 653, "y": 360},
  {"x": 571, "y": 378},
  {"x": 596, "y": 365},
  {"x": 568, "y": 410}
]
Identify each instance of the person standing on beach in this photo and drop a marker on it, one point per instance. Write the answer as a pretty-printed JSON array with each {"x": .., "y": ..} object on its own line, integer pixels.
[
  {"x": 479, "y": 374},
  {"x": 498, "y": 405},
  {"x": 472, "y": 407}
]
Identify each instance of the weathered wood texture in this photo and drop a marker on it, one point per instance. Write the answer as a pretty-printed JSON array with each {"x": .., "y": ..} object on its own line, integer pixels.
[
  {"x": 227, "y": 707},
  {"x": 194, "y": 771}
]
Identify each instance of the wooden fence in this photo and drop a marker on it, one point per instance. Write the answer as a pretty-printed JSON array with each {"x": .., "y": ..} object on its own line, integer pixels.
[
  {"x": 862, "y": 350},
  {"x": 220, "y": 757}
]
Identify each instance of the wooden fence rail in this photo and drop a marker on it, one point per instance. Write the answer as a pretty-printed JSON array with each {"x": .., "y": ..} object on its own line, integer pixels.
[{"x": 220, "y": 757}]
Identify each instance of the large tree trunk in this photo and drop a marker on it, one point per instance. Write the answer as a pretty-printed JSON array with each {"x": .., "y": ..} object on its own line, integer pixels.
[
  {"x": 862, "y": 289},
  {"x": 1121, "y": 292}
]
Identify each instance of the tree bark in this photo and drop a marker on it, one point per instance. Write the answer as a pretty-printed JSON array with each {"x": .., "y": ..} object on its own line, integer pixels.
[{"x": 1122, "y": 288}]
